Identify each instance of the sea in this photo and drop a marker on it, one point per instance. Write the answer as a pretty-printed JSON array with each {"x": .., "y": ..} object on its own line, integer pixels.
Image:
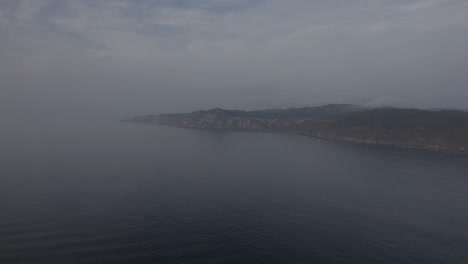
[{"x": 83, "y": 190}]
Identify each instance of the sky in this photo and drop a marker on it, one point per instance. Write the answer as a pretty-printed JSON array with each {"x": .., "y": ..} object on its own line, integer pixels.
[{"x": 122, "y": 58}]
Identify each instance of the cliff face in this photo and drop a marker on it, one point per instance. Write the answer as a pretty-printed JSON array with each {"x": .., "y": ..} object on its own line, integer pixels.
[{"x": 435, "y": 130}]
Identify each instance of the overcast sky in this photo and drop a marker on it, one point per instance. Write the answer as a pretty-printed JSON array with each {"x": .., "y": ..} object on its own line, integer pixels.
[{"x": 137, "y": 57}]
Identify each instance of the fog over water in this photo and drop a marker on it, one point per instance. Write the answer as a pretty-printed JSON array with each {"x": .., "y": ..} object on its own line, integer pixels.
[
  {"x": 78, "y": 186},
  {"x": 119, "y": 58}
]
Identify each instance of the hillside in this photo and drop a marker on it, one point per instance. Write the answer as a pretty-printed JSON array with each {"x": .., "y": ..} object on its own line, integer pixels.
[{"x": 445, "y": 130}]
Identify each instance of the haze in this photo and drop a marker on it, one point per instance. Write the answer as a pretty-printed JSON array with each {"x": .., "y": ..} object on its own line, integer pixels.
[{"x": 123, "y": 58}]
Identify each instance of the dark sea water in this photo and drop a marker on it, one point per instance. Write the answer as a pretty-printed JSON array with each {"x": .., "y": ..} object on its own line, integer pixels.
[{"x": 97, "y": 191}]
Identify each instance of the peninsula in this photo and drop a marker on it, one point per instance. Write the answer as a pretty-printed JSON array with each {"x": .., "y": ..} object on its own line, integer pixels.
[{"x": 441, "y": 130}]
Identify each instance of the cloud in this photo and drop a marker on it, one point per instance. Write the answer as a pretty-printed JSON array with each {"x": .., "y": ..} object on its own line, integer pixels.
[{"x": 218, "y": 52}]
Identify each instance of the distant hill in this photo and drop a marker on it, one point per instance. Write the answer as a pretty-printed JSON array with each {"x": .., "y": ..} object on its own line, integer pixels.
[{"x": 445, "y": 130}]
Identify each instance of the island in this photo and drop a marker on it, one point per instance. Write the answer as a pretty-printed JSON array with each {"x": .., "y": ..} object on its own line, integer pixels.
[{"x": 440, "y": 130}]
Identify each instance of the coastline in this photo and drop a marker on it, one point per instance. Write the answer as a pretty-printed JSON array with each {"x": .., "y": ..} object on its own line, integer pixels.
[{"x": 370, "y": 142}]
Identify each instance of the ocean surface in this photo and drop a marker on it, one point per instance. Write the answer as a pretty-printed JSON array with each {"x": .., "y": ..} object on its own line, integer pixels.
[{"x": 102, "y": 191}]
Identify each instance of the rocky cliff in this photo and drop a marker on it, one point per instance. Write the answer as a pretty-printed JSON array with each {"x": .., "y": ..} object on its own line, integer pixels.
[{"x": 410, "y": 128}]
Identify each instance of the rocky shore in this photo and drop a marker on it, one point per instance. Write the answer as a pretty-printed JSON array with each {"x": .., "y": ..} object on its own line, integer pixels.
[{"x": 409, "y": 128}]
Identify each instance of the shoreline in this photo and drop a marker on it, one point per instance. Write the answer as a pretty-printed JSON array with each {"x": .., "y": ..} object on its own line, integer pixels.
[{"x": 312, "y": 135}]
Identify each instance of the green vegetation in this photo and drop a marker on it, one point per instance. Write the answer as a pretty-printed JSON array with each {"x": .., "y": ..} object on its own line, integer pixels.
[{"x": 445, "y": 130}]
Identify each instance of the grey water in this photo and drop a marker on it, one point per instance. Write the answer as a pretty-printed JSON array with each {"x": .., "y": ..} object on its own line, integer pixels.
[{"x": 102, "y": 191}]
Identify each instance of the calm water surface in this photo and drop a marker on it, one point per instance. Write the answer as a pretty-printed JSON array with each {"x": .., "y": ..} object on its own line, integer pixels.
[{"x": 93, "y": 191}]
